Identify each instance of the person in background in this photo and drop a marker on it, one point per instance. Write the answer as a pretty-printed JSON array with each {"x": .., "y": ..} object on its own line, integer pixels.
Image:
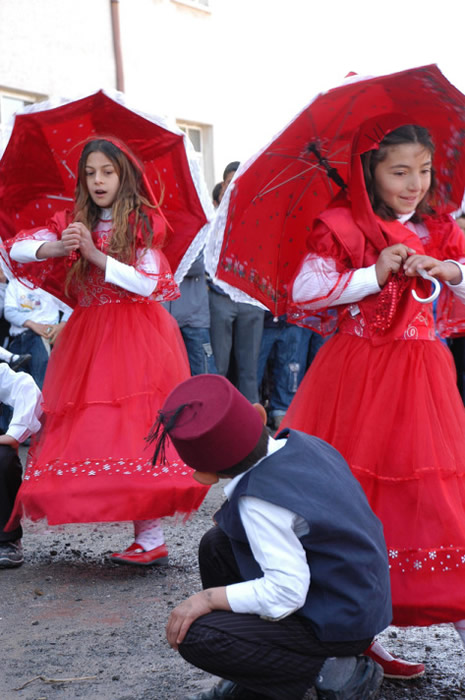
[
  {"x": 36, "y": 319},
  {"x": 286, "y": 351},
  {"x": 236, "y": 328},
  {"x": 295, "y": 572},
  {"x": 20, "y": 392},
  {"x": 216, "y": 194},
  {"x": 192, "y": 313},
  {"x": 15, "y": 361},
  {"x": 282, "y": 363}
]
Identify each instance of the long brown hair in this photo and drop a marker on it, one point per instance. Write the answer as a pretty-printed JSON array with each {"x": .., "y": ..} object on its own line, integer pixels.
[
  {"x": 410, "y": 133},
  {"x": 127, "y": 209}
]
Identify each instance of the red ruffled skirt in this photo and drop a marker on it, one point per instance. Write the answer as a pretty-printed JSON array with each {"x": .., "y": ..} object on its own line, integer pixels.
[
  {"x": 394, "y": 413},
  {"x": 107, "y": 378}
]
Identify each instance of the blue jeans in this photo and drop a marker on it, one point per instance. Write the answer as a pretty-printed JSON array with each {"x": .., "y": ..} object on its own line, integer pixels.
[
  {"x": 26, "y": 343},
  {"x": 199, "y": 350},
  {"x": 316, "y": 341},
  {"x": 287, "y": 349}
]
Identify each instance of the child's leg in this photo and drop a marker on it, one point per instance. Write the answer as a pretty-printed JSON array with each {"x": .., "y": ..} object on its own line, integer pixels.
[
  {"x": 148, "y": 547},
  {"x": 11, "y": 554},
  {"x": 148, "y": 533},
  {"x": 460, "y": 627},
  {"x": 5, "y": 355},
  {"x": 15, "y": 361}
]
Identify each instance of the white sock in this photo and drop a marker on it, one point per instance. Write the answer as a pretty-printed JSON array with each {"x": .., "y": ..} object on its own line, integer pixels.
[
  {"x": 460, "y": 627},
  {"x": 5, "y": 355},
  {"x": 148, "y": 533},
  {"x": 378, "y": 648}
]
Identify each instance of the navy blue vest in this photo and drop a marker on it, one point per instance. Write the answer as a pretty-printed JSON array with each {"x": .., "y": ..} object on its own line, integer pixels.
[{"x": 349, "y": 597}]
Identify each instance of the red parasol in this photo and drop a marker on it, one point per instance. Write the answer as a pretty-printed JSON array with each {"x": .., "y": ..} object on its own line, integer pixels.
[
  {"x": 38, "y": 167},
  {"x": 258, "y": 237}
]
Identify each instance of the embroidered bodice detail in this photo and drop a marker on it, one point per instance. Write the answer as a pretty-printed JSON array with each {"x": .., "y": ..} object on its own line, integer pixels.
[
  {"x": 97, "y": 291},
  {"x": 421, "y": 327}
]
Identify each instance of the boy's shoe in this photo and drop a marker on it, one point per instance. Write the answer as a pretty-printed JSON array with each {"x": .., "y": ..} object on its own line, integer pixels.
[
  {"x": 363, "y": 684},
  {"x": 226, "y": 690},
  {"x": 18, "y": 361},
  {"x": 394, "y": 668},
  {"x": 138, "y": 556},
  {"x": 11, "y": 554}
]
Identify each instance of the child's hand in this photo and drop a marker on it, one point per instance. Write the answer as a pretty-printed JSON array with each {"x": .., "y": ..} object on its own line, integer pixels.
[
  {"x": 71, "y": 239},
  {"x": 86, "y": 244},
  {"x": 9, "y": 440},
  {"x": 390, "y": 260},
  {"x": 42, "y": 329},
  {"x": 443, "y": 271},
  {"x": 87, "y": 247}
]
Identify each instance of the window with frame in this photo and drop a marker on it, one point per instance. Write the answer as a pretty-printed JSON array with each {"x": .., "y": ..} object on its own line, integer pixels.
[
  {"x": 201, "y": 138},
  {"x": 194, "y": 133},
  {"x": 199, "y": 4}
]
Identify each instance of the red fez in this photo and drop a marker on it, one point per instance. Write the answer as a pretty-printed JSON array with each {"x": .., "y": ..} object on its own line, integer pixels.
[{"x": 211, "y": 424}]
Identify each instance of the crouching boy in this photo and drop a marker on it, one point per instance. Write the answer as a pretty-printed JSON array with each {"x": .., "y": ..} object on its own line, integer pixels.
[{"x": 295, "y": 572}]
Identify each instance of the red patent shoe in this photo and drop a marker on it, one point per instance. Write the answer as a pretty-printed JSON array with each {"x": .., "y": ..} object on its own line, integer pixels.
[
  {"x": 138, "y": 556},
  {"x": 394, "y": 668}
]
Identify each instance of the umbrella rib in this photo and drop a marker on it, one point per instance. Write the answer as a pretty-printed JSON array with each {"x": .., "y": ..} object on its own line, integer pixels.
[
  {"x": 267, "y": 189},
  {"x": 262, "y": 193},
  {"x": 65, "y": 165},
  {"x": 281, "y": 171},
  {"x": 59, "y": 196},
  {"x": 304, "y": 189}
]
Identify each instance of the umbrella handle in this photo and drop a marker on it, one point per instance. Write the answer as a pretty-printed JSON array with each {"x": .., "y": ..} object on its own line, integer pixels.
[{"x": 435, "y": 293}]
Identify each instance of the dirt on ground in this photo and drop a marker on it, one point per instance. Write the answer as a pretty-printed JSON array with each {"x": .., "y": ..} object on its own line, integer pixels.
[{"x": 73, "y": 625}]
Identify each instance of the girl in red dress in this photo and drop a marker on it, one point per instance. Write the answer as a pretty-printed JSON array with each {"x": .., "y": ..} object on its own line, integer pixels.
[
  {"x": 115, "y": 362},
  {"x": 383, "y": 389}
]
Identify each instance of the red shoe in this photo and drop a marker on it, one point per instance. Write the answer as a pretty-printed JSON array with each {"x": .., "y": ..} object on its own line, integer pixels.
[
  {"x": 131, "y": 548},
  {"x": 394, "y": 668},
  {"x": 138, "y": 556}
]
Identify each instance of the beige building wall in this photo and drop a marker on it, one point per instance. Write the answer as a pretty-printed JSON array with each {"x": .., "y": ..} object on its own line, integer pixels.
[
  {"x": 56, "y": 47},
  {"x": 170, "y": 56}
]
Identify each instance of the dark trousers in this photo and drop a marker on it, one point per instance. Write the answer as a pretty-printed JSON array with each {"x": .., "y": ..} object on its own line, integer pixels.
[
  {"x": 10, "y": 481},
  {"x": 236, "y": 328},
  {"x": 274, "y": 659}
]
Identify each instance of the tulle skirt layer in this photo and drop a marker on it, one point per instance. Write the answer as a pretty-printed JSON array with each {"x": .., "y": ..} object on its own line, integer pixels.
[
  {"x": 107, "y": 378},
  {"x": 395, "y": 414}
]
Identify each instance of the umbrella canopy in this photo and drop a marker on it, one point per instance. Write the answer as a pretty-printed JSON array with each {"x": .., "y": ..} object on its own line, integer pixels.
[
  {"x": 266, "y": 215},
  {"x": 38, "y": 168}
]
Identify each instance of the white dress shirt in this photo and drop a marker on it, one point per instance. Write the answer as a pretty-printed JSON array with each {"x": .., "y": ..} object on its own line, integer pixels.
[
  {"x": 273, "y": 533},
  {"x": 19, "y": 390}
]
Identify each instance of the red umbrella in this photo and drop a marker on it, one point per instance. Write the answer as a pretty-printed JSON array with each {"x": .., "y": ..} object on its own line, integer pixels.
[
  {"x": 38, "y": 167},
  {"x": 259, "y": 235}
]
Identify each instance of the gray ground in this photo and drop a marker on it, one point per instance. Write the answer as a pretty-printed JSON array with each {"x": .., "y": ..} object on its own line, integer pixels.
[{"x": 69, "y": 614}]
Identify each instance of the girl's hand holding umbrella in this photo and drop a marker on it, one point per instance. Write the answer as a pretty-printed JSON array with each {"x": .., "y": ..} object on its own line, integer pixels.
[{"x": 442, "y": 270}]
